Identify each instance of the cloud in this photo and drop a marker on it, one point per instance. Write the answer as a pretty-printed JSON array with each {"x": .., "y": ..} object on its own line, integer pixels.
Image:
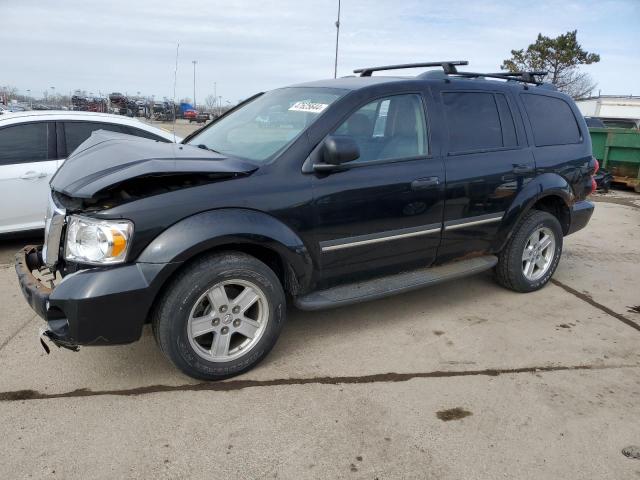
[{"x": 245, "y": 46}]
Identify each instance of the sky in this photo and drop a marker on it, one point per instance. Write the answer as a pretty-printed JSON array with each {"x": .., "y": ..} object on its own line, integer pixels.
[{"x": 244, "y": 46}]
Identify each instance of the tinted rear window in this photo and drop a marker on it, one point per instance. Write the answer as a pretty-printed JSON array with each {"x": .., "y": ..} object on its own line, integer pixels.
[
  {"x": 144, "y": 134},
  {"x": 473, "y": 121},
  {"x": 23, "y": 143},
  {"x": 552, "y": 120},
  {"x": 78, "y": 132},
  {"x": 509, "y": 138}
]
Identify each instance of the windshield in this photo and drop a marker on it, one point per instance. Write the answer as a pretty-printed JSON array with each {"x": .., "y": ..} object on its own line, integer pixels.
[{"x": 268, "y": 124}]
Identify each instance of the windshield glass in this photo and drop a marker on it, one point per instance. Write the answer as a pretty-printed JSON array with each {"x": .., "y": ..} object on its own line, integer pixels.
[{"x": 268, "y": 124}]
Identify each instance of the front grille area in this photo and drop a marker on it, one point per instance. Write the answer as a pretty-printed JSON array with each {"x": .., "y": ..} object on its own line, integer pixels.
[{"x": 54, "y": 223}]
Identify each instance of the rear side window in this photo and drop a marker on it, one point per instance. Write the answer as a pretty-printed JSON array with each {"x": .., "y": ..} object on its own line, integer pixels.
[
  {"x": 144, "y": 134},
  {"x": 77, "y": 132},
  {"x": 24, "y": 143},
  {"x": 473, "y": 121},
  {"x": 509, "y": 138},
  {"x": 552, "y": 120}
]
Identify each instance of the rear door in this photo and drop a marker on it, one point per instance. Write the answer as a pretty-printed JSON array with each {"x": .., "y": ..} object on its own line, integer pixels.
[
  {"x": 384, "y": 211},
  {"x": 487, "y": 163},
  {"x": 27, "y": 163}
]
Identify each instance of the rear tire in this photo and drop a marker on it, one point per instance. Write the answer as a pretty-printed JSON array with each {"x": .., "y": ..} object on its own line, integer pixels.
[
  {"x": 532, "y": 253},
  {"x": 220, "y": 316}
]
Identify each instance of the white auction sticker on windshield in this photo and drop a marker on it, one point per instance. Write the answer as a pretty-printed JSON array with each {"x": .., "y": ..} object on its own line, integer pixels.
[{"x": 308, "y": 107}]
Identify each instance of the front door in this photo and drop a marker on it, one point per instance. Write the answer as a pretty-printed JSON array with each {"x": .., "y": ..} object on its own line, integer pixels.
[
  {"x": 384, "y": 211},
  {"x": 27, "y": 163}
]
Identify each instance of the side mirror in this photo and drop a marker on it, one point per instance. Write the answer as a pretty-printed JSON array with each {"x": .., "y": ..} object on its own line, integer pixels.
[{"x": 337, "y": 150}]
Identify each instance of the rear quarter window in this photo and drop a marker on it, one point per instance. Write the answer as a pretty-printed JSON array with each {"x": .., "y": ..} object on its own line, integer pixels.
[
  {"x": 144, "y": 134},
  {"x": 552, "y": 120}
]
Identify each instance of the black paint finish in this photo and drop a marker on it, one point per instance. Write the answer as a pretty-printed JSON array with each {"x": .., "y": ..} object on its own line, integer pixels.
[{"x": 285, "y": 207}]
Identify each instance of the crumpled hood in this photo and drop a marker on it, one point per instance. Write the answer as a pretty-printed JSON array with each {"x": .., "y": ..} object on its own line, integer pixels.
[{"x": 109, "y": 158}]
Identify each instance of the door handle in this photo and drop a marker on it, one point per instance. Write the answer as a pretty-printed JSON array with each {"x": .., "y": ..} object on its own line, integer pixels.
[
  {"x": 30, "y": 175},
  {"x": 423, "y": 183},
  {"x": 520, "y": 168}
]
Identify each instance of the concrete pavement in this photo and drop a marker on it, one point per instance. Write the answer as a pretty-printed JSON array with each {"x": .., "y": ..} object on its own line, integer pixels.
[{"x": 543, "y": 385}]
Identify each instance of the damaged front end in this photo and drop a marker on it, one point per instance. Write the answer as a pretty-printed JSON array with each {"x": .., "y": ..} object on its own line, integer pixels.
[
  {"x": 37, "y": 282},
  {"x": 87, "y": 299}
]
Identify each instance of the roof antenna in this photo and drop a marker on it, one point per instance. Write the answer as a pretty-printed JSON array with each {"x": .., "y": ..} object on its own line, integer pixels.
[
  {"x": 175, "y": 80},
  {"x": 335, "y": 65}
]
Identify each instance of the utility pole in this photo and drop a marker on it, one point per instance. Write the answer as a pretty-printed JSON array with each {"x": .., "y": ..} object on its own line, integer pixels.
[
  {"x": 335, "y": 66},
  {"x": 194, "y": 82},
  {"x": 215, "y": 96}
]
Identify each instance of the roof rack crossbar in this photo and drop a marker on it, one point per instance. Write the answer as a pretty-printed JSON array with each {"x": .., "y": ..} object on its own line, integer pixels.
[
  {"x": 524, "y": 77},
  {"x": 447, "y": 66}
]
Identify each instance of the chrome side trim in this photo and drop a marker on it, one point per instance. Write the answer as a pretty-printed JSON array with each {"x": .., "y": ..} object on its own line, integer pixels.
[
  {"x": 332, "y": 245},
  {"x": 479, "y": 220}
]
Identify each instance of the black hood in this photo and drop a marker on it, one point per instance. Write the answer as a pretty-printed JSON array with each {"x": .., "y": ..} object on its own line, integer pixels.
[{"x": 106, "y": 159}]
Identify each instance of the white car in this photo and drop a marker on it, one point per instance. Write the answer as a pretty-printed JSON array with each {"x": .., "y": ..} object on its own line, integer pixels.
[{"x": 34, "y": 144}]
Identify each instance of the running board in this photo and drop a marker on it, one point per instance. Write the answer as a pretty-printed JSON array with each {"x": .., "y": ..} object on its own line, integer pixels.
[{"x": 392, "y": 284}]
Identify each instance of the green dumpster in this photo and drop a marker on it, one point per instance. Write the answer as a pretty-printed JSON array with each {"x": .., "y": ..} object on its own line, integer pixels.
[{"x": 618, "y": 150}]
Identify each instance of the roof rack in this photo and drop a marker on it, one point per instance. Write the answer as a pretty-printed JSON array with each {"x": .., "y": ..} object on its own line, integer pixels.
[
  {"x": 527, "y": 77},
  {"x": 447, "y": 66}
]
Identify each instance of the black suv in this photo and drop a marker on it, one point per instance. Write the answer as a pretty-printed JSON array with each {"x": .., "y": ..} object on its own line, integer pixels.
[{"x": 326, "y": 193}]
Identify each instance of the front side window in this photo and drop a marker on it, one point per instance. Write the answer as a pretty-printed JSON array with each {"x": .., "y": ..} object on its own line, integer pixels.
[
  {"x": 388, "y": 128},
  {"x": 24, "y": 143},
  {"x": 268, "y": 124}
]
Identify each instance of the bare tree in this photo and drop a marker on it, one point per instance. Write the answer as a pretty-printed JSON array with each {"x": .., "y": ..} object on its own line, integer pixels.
[
  {"x": 210, "y": 102},
  {"x": 9, "y": 91}
]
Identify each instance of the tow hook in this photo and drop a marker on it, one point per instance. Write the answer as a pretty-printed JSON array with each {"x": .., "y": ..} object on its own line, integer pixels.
[{"x": 53, "y": 338}]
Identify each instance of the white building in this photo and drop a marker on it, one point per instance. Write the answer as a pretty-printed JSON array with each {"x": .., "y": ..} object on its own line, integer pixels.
[{"x": 611, "y": 106}]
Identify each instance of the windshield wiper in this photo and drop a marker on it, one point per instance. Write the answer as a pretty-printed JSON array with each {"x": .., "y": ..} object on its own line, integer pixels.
[{"x": 204, "y": 147}]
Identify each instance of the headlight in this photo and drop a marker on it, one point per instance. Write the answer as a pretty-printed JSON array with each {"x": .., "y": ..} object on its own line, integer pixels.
[{"x": 97, "y": 242}]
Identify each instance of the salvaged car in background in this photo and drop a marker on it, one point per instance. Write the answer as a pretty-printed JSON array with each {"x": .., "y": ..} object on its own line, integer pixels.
[{"x": 33, "y": 145}]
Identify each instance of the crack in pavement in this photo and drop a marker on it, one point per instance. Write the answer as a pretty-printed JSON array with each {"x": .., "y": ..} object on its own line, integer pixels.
[
  {"x": 587, "y": 298},
  {"x": 232, "y": 385},
  {"x": 14, "y": 334},
  {"x": 627, "y": 202}
]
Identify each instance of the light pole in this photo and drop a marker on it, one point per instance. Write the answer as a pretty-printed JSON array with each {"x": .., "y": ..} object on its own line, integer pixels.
[
  {"x": 53, "y": 94},
  {"x": 30, "y": 99},
  {"x": 220, "y": 105},
  {"x": 194, "y": 82},
  {"x": 335, "y": 65}
]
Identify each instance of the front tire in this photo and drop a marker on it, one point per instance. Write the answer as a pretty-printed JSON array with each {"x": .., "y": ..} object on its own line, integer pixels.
[
  {"x": 531, "y": 255},
  {"x": 220, "y": 316}
]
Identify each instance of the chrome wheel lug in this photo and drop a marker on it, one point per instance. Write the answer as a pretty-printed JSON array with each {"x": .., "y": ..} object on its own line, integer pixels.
[
  {"x": 236, "y": 309},
  {"x": 225, "y": 330},
  {"x": 223, "y": 308},
  {"x": 236, "y": 322},
  {"x": 215, "y": 322}
]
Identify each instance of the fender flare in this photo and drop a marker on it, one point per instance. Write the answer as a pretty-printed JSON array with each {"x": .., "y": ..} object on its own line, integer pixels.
[
  {"x": 207, "y": 230},
  {"x": 545, "y": 185}
]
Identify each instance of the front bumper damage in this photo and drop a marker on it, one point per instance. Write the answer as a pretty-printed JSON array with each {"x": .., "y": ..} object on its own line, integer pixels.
[
  {"x": 96, "y": 306},
  {"x": 37, "y": 293}
]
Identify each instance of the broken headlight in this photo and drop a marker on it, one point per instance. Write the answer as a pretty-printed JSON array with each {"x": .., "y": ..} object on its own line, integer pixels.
[{"x": 97, "y": 242}]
